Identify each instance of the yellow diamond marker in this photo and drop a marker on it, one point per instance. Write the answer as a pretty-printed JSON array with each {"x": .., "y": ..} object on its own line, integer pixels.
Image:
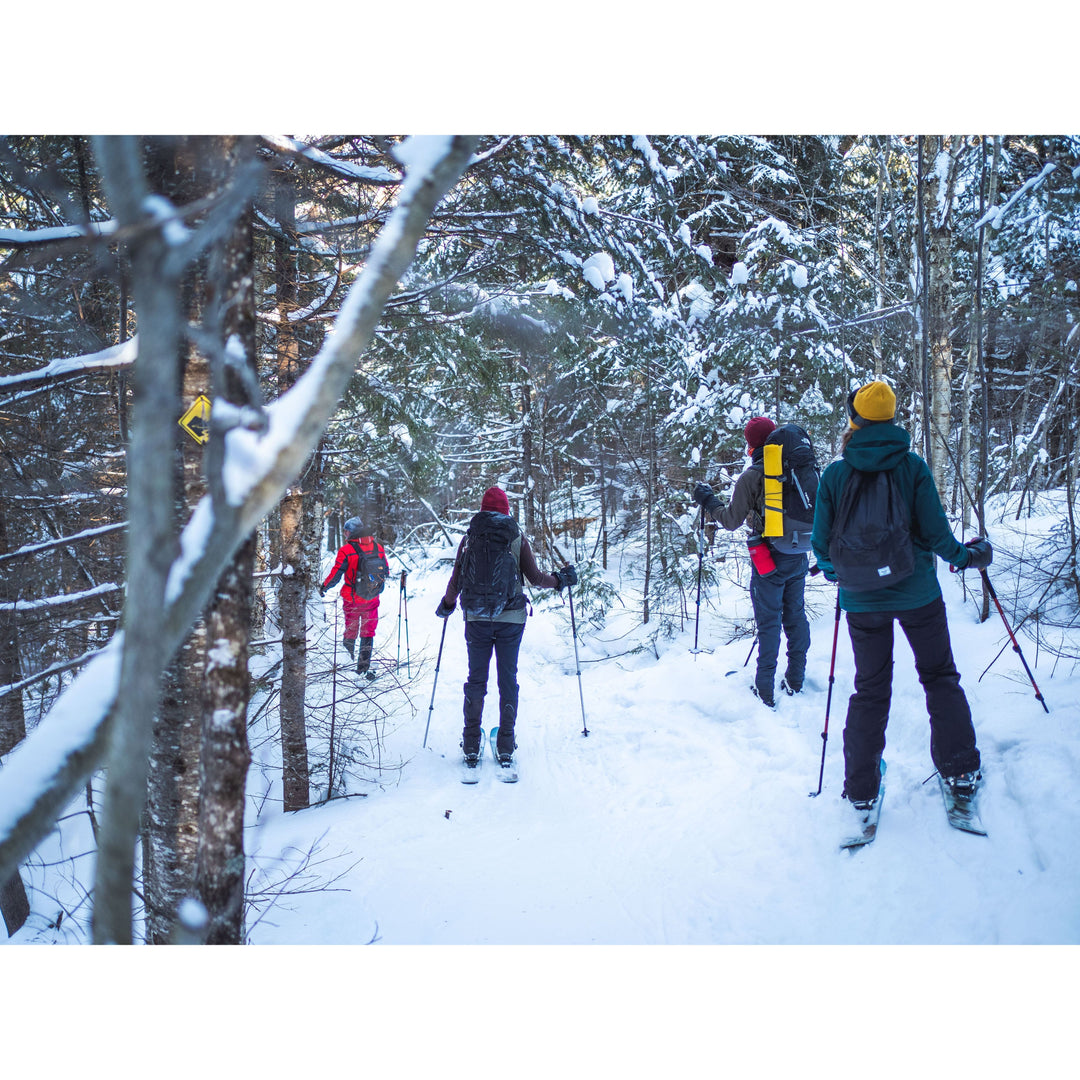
[{"x": 196, "y": 421}]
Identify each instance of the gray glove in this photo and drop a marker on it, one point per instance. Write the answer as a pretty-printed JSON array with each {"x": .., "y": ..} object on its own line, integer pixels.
[
  {"x": 706, "y": 498},
  {"x": 444, "y": 609},
  {"x": 980, "y": 554},
  {"x": 566, "y": 576}
]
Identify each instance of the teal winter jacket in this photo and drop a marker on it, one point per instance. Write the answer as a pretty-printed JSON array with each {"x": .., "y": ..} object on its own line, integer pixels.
[{"x": 875, "y": 448}]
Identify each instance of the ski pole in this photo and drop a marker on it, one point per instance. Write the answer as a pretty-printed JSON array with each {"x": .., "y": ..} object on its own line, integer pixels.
[
  {"x": 700, "y": 560},
  {"x": 828, "y": 699},
  {"x": 333, "y": 710},
  {"x": 1012, "y": 636},
  {"x": 435, "y": 681},
  {"x": 405, "y": 598},
  {"x": 751, "y": 652},
  {"x": 577, "y": 661},
  {"x": 401, "y": 592}
]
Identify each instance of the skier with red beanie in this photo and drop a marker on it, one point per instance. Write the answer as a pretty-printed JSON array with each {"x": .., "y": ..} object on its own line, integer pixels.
[
  {"x": 491, "y": 561},
  {"x": 778, "y": 579}
]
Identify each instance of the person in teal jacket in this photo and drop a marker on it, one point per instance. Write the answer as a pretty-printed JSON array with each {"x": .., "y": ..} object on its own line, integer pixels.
[{"x": 874, "y": 443}]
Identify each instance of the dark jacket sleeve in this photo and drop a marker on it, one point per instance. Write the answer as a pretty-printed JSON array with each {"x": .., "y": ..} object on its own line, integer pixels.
[
  {"x": 930, "y": 527},
  {"x": 824, "y": 512},
  {"x": 744, "y": 507},
  {"x": 532, "y": 571},
  {"x": 454, "y": 585}
]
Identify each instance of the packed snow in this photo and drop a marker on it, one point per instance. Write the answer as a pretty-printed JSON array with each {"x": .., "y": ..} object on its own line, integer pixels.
[{"x": 685, "y": 816}]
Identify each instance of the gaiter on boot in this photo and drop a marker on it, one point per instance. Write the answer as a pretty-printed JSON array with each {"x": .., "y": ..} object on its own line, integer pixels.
[{"x": 364, "y": 661}]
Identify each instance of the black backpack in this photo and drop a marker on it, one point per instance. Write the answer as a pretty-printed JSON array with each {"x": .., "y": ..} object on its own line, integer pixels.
[
  {"x": 490, "y": 581},
  {"x": 791, "y": 483},
  {"x": 370, "y": 572},
  {"x": 870, "y": 544}
]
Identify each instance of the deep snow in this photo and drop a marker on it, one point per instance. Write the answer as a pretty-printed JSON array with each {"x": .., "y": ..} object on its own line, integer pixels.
[{"x": 684, "y": 817}]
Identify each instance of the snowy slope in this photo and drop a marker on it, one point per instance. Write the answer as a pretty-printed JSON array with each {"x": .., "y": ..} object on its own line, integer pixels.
[{"x": 684, "y": 817}]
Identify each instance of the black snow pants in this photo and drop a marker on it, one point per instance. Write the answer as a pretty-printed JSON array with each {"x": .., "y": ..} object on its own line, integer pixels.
[{"x": 952, "y": 736}]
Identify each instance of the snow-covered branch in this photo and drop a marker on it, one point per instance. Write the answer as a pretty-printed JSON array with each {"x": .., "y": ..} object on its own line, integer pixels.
[
  {"x": 996, "y": 215},
  {"x": 116, "y": 356},
  {"x": 29, "y": 238},
  {"x": 283, "y": 144},
  {"x": 49, "y": 603},
  {"x": 63, "y": 541}
]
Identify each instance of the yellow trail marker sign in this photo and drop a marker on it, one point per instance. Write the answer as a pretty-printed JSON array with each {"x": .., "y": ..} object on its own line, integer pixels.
[{"x": 196, "y": 421}]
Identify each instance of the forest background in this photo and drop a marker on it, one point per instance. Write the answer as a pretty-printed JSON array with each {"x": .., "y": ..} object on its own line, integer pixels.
[{"x": 587, "y": 318}]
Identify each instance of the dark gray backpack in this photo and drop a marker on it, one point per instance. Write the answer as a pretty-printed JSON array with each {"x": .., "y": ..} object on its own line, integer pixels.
[
  {"x": 490, "y": 580},
  {"x": 870, "y": 544}
]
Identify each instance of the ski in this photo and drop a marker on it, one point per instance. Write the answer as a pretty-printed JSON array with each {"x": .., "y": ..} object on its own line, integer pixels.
[
  {"x": 507, "y": 773},
  {"x": 867, "y": 820},
  {"x": 867, "y": 825},
  {"x": 470, "y": 773},
  {"x": 960, "y": 809},
  {"x": 377, "y": 669}
]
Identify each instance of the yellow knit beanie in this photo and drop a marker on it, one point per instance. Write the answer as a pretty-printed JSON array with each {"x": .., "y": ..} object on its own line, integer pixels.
[{"x": 874, "y": 403}]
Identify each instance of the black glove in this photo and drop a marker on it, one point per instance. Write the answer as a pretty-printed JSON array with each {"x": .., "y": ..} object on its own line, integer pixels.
[
  {"x": 566, "y": 576},
  {"x": 444, "y": 609},
  {"x": 322, "y": 591},
  {"x": 980, "y": 554},
  {"x": 705, "y": 497}
]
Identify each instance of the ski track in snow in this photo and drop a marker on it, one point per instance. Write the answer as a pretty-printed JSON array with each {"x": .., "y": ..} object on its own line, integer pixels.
[{"x": 684, "y": 816}]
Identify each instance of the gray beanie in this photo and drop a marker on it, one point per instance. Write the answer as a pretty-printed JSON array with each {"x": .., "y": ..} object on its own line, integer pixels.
[{"x": 354, "y": 528}]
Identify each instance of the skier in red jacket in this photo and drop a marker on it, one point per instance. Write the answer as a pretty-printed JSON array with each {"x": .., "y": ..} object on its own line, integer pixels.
[{"x": 362, "y": 563}]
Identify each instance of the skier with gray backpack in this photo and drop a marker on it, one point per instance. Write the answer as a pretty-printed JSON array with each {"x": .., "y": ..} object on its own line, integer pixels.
[
  {"x": 774, "y": 498},
  {"x": 878, "y": 524},
  {"x": 492, "y": 560},
  {"x": 362, "y": 568}
]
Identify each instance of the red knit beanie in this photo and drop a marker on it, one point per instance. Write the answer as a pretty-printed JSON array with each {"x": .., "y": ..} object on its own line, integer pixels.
[
  {"x": 495, "y": 499},
  {"x": 757, "y": 431}
]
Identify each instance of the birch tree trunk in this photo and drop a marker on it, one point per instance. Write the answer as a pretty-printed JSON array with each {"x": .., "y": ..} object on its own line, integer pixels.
[
  {"x": 182, "y": 170},
  {"x": 879, "y": 246},
  {"x": 943, "y": 153},
  {"x": 292, "y": 585},
  {"x": 527, "y": 470},
  {"x": 156, "y": 273},
  {"x": 291, "y": 595},
  {"x": 225, "y": 754},
  {"x": 650, "y": 487},
  {"x": 223, "y": 765},
  {"x": 978, "y": 375},
  {"x": 14, "y": 905},
  {"x": 12, "y": 718}
]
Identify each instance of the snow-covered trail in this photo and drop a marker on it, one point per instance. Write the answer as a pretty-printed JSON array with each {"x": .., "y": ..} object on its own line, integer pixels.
[{"x": 684, "y": 817}]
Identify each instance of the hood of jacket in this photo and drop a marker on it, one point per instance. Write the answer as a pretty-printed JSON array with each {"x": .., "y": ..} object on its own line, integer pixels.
[{"x": 877, "y": 448}]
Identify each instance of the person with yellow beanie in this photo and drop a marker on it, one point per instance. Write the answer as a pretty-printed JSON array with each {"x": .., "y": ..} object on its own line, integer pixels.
[
  {"x": 874, "y": 403},
  {"x": 874, "y": 444}
]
